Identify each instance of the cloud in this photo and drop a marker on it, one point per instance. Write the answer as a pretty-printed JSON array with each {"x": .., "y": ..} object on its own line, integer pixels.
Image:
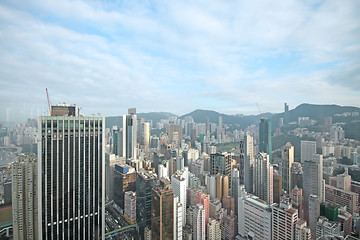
[{"x": 177, "y": 56}]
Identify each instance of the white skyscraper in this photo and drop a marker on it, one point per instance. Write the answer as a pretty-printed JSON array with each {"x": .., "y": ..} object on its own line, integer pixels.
[
  {"x": 308, "y": 149},
  {"x": 312, "y": 178},
  {"x": 248, "y": 163},
  {"x": 178, "y": 219},
  {"x": 178, "y": 183},
  {"x": 287, "y": 158},
  {"x": 199, "y": 222}
]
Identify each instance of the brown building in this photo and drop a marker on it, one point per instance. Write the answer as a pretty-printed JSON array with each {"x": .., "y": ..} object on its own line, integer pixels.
[
  {"x": 162, "y": 211},
  {"x": 277, "y": 181},
  {"x": 124, "y": 181},
  {"x": 342, "y": 198}
]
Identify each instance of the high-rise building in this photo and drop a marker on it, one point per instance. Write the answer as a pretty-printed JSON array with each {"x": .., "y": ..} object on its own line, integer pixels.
[
  {"x": 284, "y": 219},
  {"x": 199, "y": 222},
  {"x": 248, "y": 149},
  {"x": 213, "y": 230},
  {"x": 263, "y": 177},
  {"x": 276, "y": 187},
  {"x": 312, "y": 180},
  {"x": 286, "y": 114},
  {"x": 265, "y": 137},
  {"x": 130, "y": 207},
  {"x": 130, "y": 134},
  {"x": 162, "y": 211},
  {"x": 178, "y": 183},
  {"x": 308, "y": 149},
  {"x": 175, "y": 134},
  {"x": 287, "y": 159},
  {"x": 229, "y": 223},
  {"x": 220, "y": 163},
  {"x": 314, "y": 212},
  {"x": 24, "y": 198},
  {"x": 296, "y": 200},
  {"x": 124, "y": 181},
  {"x": 71, "y": 185},
  {"x": 178, "y": 222},
  {"x": 204, "y": 200},
  {"x": 235, "y": 183},
  {"x": 145, "y": 181},
  {"x": 296, "y": 175},
  {"x": 254, "y": 226}
]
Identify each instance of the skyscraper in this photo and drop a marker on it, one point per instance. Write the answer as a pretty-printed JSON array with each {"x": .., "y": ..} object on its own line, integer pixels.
[
  {"x": 314, "y": 212},
  {"x": 263, "y": 177},
  {"x": 248, "y": 149},
  {"x": 265, "y": 137},
  {"x": 287, "y": 158},
  {"x": 178, "y": 183},
  {"x": 199, "y": 222},
  {"x": 308, "y": 149},
  {"x": 286, "y": 114},
  {"x": 145, "y": 181},
  {"x": 284, "y": 219},
  {"x": 130, "y": 132},
  {"x": 124, "y": 181},
  {"x": 162, "y": 211},
  {"x": 312, "y": 181},
  {"x": 24, "y": 198},
  {"x": 71, "y": 180}
]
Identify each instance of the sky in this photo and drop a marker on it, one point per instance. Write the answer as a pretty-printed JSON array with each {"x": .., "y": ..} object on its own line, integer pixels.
[{"x": 177, "y": 56}]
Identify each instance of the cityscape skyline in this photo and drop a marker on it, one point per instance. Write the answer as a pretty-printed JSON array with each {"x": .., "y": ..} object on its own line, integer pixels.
[{"x": 177, "y": 56}]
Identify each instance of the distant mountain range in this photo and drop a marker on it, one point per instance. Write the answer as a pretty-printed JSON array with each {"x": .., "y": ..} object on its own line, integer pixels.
[{"x": 316, "y": 112}]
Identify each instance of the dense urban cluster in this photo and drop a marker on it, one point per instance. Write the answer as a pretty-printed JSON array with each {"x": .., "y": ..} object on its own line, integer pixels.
[{"x": 69, "y": 176}]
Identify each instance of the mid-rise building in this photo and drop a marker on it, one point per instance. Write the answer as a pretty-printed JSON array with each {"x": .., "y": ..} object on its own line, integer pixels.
[
  {"x": 302, "y": 232},
  {"x": 130, "y": 207},
  {"x": 71, "y": 179},
  {"x": 324, "y": 227},
  {"x": 296, "y": 200},
  {"x": 342, "y": 197},
  {"x": 24, "y": 198},
  {"x": 220, "y": 163},
  {"x": 124, "y": 181},
  {"x": 284, "y": 219}
]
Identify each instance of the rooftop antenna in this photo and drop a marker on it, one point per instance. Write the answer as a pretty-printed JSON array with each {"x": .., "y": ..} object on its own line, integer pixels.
[{"x": 48, "y": 99}]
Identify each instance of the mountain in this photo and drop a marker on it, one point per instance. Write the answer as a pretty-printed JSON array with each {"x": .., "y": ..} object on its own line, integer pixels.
[
  {"x": 200, "y": 115},
  {"x": 154, "y": 116},
  {"x": 316, "y": 112}
]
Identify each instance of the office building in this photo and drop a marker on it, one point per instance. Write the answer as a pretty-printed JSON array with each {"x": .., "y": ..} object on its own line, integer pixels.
[
  {"x": 284, "y": 219},
  {"x": 308, "y": 149},
  {"x": 314, "y": 212},
  {"x": 257, "y": 221},
  {"x": 263, "y": 177},
  {"x": 174, "y": 133},
  {"x": 220, "y": 163},
  {"x": 130, "y": 134},
  {"x": 124, "y": 181},
  {"x": 178, "y": 183},
  {"x": 145, "y": 181},
  {"x": 130, "y": 207},
  {"x": 24, "y": 198},
  {"x": 287, "y": 159},
  {"x": 265, "y": 137},
  {"x": 162, "y": 211},
  {"x": 312, "y": 180},
  {"x": 71, "y": 180},
  {"x": 296, "y": 175},
  {"x": 199, "y": 222}
]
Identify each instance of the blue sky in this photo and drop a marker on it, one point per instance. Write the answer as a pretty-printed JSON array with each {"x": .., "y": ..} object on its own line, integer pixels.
[{"x": 177, "y": 56}]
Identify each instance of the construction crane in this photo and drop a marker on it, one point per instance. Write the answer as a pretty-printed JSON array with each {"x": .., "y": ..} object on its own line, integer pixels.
[
  {"x": 262, "y": 115},
  {"x": 48, "y": 99}
]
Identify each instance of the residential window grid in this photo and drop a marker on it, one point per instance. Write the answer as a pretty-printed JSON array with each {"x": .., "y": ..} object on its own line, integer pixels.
[{"x": 71, "y": 170}]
